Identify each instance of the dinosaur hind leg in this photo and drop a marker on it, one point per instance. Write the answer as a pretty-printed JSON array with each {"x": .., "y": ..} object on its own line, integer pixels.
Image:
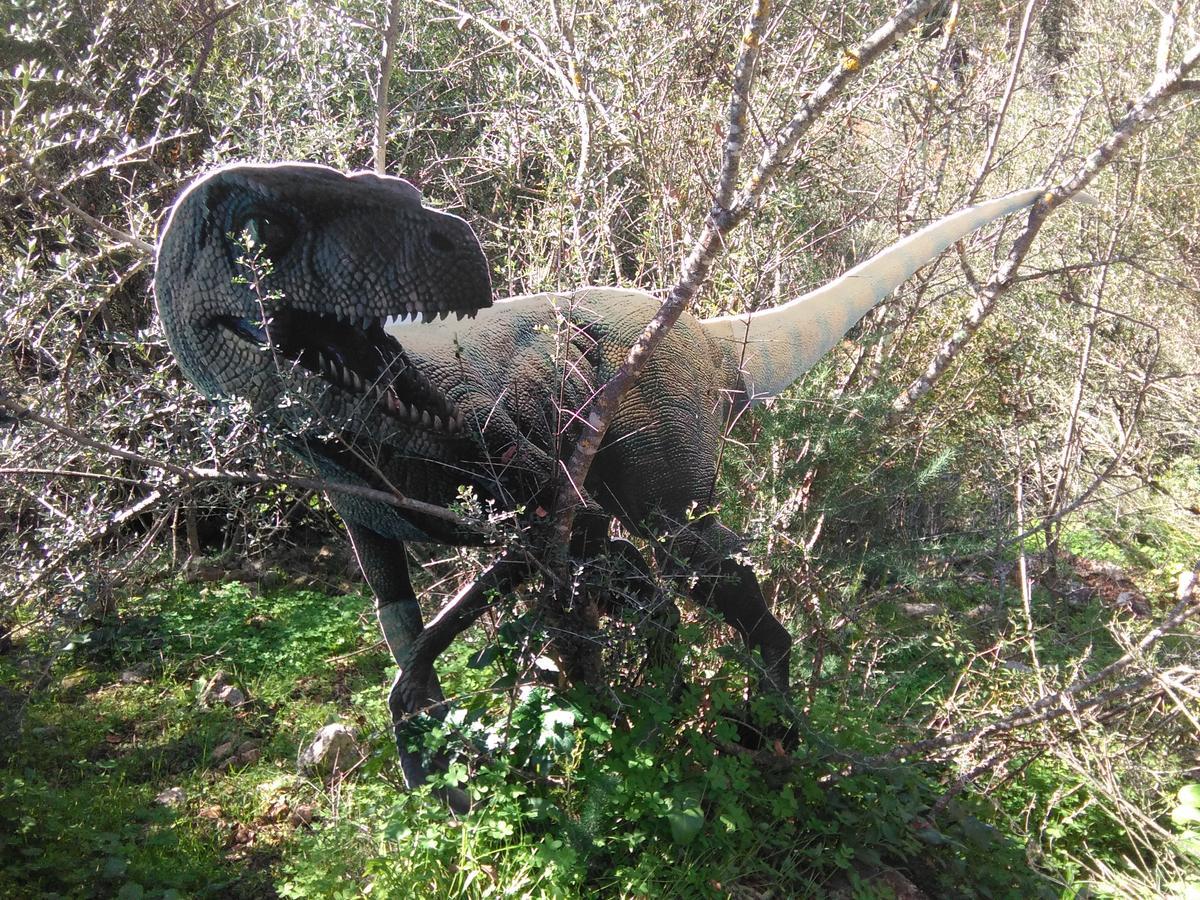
[
  {"x": 618, "y": 568},
  {"x": 625, "y": 582},
  {"x": 384, "y": 564},
  {"x": 705, "y": 548}
]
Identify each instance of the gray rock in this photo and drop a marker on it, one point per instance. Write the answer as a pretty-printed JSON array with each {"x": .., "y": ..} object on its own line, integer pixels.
[
  {"x": 172, "y": 797},
  {"x": 332, "y": 752},
  {"x": 222, "y": 750},
  {"x": 220, "y": 689}
]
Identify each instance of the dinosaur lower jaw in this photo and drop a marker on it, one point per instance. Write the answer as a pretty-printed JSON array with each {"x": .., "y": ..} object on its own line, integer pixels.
[{"x": 356, "y": 356}]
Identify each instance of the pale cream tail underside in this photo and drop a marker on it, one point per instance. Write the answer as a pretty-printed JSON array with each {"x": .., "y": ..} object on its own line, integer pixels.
[{"x": 777, "y": 346}]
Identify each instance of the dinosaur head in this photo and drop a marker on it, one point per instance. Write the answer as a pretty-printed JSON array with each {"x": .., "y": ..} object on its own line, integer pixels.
[{"x": 274, "y": 284}]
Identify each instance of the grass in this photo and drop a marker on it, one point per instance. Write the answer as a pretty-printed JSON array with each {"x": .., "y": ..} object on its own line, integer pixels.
[{"x": 578, "y": 801}]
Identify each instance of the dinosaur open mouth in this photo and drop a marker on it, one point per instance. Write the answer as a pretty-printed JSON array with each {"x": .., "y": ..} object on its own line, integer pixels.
[{"x": 358, "y": 357}]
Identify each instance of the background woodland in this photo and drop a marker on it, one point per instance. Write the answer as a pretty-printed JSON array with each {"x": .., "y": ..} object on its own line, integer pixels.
[{"x": 979, "y": 516}]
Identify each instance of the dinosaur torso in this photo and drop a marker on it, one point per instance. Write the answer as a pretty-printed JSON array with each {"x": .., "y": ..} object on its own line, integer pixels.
[{"x": 521, "y": 369}]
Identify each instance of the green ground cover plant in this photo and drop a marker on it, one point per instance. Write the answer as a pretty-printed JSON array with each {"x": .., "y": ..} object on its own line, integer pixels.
[{"x": 575, "y": 801}]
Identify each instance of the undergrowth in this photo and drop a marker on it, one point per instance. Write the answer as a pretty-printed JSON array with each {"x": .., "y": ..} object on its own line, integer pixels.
[{"x": 639, "y": 793}]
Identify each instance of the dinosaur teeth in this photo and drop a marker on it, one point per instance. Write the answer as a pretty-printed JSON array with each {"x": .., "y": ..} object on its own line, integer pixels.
[
  {"x": 427, "y": 317},
  {"x": 407, "y": 317},
  {"x": 442, "y": 315}
]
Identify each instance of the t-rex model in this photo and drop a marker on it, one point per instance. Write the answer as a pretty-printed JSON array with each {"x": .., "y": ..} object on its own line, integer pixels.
[{"x": 322, "y": 299}]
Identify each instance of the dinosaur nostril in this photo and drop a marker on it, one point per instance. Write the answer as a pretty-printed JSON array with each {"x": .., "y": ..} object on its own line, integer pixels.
[{"x": 440, "y": 242}]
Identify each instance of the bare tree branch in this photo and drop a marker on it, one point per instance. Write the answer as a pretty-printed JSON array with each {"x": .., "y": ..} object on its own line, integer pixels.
[
  {"x": 186, "y": 474},
  {"x": 985, "y": 164},
  {"x": 124, "y": 237},
  {"x": 724, "y": 216},
  {"x": 1069, "y": 700},
  {"x": 1142, "y": 114},
  {"x": 381, "y": 89}
]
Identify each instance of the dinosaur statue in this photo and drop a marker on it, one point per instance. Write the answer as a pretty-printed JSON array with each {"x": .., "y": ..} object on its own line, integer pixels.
[{"x": 323, "y": 300}]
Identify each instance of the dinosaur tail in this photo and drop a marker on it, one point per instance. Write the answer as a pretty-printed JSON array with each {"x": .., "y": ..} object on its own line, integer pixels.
[{"x": 777, "y": 346}]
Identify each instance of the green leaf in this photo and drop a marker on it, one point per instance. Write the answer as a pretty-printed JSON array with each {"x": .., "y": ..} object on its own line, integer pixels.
[
  {"x": 932, "y": 836},
  {"x": 1189, "y": 795},
  {"x": 114, "y": 867},
  {"x": 686, "y": 820},
  {"x": 1189, "y": 842},
  {"x": 1185, "y": 815},
  {"x": 484, "y": 657},
  {"x": 978, "y": 833}
]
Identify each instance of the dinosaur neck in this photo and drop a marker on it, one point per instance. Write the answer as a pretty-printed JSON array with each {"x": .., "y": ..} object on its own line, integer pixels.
[{"x": 775, "y": 347}]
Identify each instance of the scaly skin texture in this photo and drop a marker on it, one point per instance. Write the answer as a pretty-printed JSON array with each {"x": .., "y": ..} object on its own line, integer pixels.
[{"x": 280, "y": 285}]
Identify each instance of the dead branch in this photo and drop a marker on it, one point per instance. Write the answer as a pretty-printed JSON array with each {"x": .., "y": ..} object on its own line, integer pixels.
[
  {"x": 1071, "y": 700},
  {"x": 726, "y": 213},
  {"x": 196, "y": 474},
  {"x": 985, "y": 164},
  {"x": 123, "y": 237},
  {"x": 381, "y": 90},
  {"x": 1165, "y": 86}
]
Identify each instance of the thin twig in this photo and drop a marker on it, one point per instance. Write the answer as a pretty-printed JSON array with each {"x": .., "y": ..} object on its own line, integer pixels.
[
  {"x": 1164, "y": 87},
  {"x": 1069, "y": 700},
  {"x": 133, "y": 241},
  {"x": 381, "y": 89},
  {"x": 985, "y": 164},
  {"x": 194, "y": 474}
]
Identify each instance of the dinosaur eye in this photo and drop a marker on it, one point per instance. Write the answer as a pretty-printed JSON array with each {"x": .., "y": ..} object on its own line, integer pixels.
[
  {"x": 268, "y": 233},
  {"x": 440, "y": 242}
]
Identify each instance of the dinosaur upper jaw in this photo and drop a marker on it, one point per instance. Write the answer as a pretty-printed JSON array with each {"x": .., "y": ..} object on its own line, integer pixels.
[{"x": 357, "y": 356}]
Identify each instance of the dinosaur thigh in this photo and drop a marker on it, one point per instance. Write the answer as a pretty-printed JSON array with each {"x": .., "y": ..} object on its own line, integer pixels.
[{"x": 657, "y": 474}]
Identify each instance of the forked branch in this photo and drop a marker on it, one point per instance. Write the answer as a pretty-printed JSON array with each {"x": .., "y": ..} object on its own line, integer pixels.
[
  {"x": 730, "y": 208},
  {"x": 1143, "y": 113}
]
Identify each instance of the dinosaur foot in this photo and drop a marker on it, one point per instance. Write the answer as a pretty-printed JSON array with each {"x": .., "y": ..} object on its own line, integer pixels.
[
  {"x": 416, "y": 771},
  {"x": 418, "y": 708},
  {"x": 767, "y": 726}
]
